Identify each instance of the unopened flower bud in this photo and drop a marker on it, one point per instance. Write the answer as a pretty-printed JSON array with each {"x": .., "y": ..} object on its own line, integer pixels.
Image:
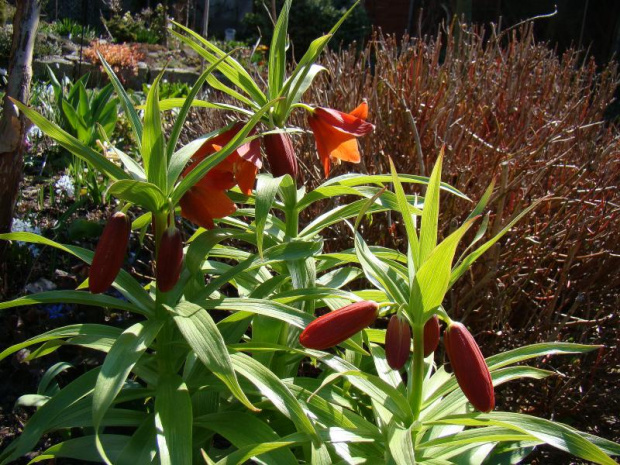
[
  {"x": 470, "y": 368},
  {"x": 169, "y": 259},
  {"x": 431, "y": 335},
  {"x": 338, "y": 326},
  {"x": 281, "y": 154},
  {"x": 397, "y": 342},
  {"x": 110, "y": 253}
]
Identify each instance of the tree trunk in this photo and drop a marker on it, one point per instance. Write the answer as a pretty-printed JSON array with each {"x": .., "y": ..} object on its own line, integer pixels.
[{"x": 12, "y": 124}]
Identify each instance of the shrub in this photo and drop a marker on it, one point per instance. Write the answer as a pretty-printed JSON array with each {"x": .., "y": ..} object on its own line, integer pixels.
[
  {"x": 123, "y": 58},
  {"x": 148, "y": 26}
]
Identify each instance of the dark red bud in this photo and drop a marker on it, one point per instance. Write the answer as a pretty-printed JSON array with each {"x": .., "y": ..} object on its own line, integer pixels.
[
  {"x": 470, "y": 368},
  {"x": 169, "y": 259},
  {"x": 397, "y": 342},
  {"x": 338, "y": 326},
  {"x": 110, "y": 253},
  {"x": 431, "y": 335},
  {"x": 281, "y": 154}
]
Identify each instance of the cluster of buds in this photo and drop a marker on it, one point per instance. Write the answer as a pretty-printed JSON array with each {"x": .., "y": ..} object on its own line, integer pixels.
[
  {"x": 398, "y": 340},
  {"x": 111, "y": 249},
  {"x": 470, "y": 368}
]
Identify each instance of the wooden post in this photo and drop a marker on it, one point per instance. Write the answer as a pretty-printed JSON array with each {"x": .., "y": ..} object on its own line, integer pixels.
[{"x": 12, "y": 123}]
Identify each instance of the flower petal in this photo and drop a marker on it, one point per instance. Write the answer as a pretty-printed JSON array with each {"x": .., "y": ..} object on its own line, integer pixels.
[
  {"x": 201, "y": 205},
  {"x": 343, "y": 121},
  {"x": 361, "y": 111}
]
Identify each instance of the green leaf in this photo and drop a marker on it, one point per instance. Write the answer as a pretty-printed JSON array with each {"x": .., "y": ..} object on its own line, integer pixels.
[
  {"x": 45, "y": 416},
  {"x": 230, "y": 68},
  {"x": 83, "y": 449},
  {"x": 244, "y": 454},
  {"x": 400, "y": 444},
  {"x": 277, "y": 52},
  {"x": 47, "y": 385},
  {"x": 536, "y": 350},
  {"x": 379, "y": 273},
  {"x": 299, "y": 84},
  {"x": 430, "y": 214},
  {"x": 290, "y": 315},
  {"x": 412, "y": 235},
  {"x": 464, "y": 265},
  {"x": 552, "y": 433},
  {"x": 254, "y": 432},
  {"x": 432, "y": 280},
  {"x": 87, "y": 330},
  {"x": 143, "y": 194},
  {"x": 354, "y": 179},
  {"x": 219, "y": 85},
  {"x": 172, "y": 103},
  {"x": 130, "y": 111},
  {"x": 123, "y": 355},
  {"x": 484, "y": 434},
  {"x": 373, "y": 386},
  {"x": 187, "y": 104},
  {"x": 266, "y": 190},
  {"x": 275, "y": 390},
  {"x": 203, "y": 336},
  {"x": 173, "y": 420},
  {"x": 73, "y": 297},
  {"x": 142, "y": 446},
  {"x": 72, "y": 144},
  {"x": 153, "y": 144},
  {"x": 292, "y": 88},
  {"x": 126, "y": 285}
]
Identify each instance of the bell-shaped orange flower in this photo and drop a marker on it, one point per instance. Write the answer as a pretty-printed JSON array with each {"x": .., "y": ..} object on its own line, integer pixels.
[
  {"x": 207, "y": 199},
  {"x": 335, "y": 133}
]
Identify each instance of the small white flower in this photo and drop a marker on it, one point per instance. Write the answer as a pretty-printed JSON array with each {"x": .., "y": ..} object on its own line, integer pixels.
[
  {"x": 34, "y": 133},
  {"x": 20, "y": 225},
  {"x": 65, "y": 185}
]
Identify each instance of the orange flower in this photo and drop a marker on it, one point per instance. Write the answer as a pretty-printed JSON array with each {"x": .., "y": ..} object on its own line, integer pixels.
[
  {"x": 335, "y": 133},
  {"x": 207, "y": 199}
]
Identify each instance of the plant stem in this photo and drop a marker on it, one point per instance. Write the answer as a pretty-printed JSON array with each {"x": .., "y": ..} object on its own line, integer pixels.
[
  {"x": 417, "y": 371},
  {"x": 292, "y": 223}
]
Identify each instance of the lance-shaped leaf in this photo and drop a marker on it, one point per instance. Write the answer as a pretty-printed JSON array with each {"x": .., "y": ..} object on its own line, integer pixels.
[
  {"x": 153, "y": 144},
  {"x": 123, "y": 355},
  {"x": 143, "y": 194},
  {"x": 432, "y": 280},
  {"x": 130, "y": 111},
  {"x": 73, "y": 145},
  {"x": 277, "y": 52},
  {"x": 44, "y": 417},
  {"x": 124, "y": 282},
  {"x": 552, "y": 433},
  {"x": 173, "y": 420},
  {"x": 275, "y": 390},
  {"x": 203, "y": 336}
]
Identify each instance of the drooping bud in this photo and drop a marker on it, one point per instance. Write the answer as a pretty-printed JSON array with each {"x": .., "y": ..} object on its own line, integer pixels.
[
  {"x": 397, "y": 342},
  {"x": 335, "y": 327},
  {"x": 431, "y": 335},
  {"x": 470, "y": 368},
  {"x": 281, "y": 154},
  {"x": 110, "y": 253},
  {"x": 169, "y": 259}
]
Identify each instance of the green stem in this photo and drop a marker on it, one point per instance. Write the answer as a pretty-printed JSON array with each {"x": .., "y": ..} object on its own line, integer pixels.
[
  {"x": 417, "y": 371},
  {"x": 292, "y": 223}
]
